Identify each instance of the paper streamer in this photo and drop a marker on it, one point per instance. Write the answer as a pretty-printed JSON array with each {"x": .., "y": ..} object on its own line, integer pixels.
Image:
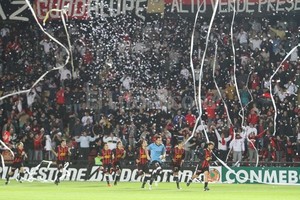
[
  {"x": 234, "y": 67},
  {"x": 41, "y": 78},
  {"x": 198, "y": 104},
  {"x": 235, "y": 81},
  {"x": 2, "y": 159},
  {"x": 34, "y": 169},
  {"x": 3, "y": 165},
  {"x": 55, "y": 68},
  {"x": 216, "y": 84},
  {"x": 65, "y": 171},
  {"x": 193, "y": 75},
  {"x": 191, "y": 57},
  {"x": 63, "y": 13},
  {"x": 248, "y": 78},
  {"x": 271, "y": 93},
  {"x": 204, "y": 54},
  {"x": 234, "y": 63}
]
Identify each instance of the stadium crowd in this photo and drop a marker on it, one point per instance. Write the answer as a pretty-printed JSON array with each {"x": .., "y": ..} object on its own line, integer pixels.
[{"x": 132, "y": 79}]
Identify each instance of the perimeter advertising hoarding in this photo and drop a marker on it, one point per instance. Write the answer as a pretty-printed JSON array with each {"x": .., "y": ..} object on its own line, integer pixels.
[
  {"x": 128, "y": 174},
  {"x": 17, "y": 10},
  {"x": 268, "y": 175}
]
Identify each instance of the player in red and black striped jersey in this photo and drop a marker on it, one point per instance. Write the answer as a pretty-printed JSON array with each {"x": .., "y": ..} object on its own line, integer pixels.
[
  {"x": 62, "y": 153},
  {"x": 118, "y": 154},
  {"x": 19, "y": 157},
  {"x": 177, "y": 160},
  {"x": 142, "y": 161},
  {"x": 106, "y": 154},
  {"x": 204, "y": 165}
]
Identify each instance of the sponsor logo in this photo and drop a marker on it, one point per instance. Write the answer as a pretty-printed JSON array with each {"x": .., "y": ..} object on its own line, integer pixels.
[
  {"x": 80, "y": 174},
  {"x": 263, "y": 175}
]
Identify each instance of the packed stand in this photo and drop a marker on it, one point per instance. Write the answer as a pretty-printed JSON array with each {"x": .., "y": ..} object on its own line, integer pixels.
[{"x": 132, "y": 79}]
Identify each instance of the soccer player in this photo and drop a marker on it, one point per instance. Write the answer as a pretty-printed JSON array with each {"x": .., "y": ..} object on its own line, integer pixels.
[
  {"x": 106, "y": 154},
  {"x": 157, "y": 156},
  {"x": 204, "y": 165},
  {"x": 62, "y": 152},
  {"x": 19, "y": 157},
  {"x": 177, "y": 160},
  {"x": 118, "y": 154},
  {"x": 142, "y": 161}
]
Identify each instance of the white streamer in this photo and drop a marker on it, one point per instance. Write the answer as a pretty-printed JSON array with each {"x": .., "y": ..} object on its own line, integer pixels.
[
  {"x": 3, "y": 164},
  {"x": 271, "y": 93},
  {"x": 234, "y": 62},
  {"x": 216, "y": 84},
  {"x": 56, "y": 68},
  {"x": 65, "y": 171},
  {"x": 191, "y": 57},
  {"x": 62, "y": 13},
  {"x": 2, "y": 159},
  {"x": 234, "y": 69},
  {"x": 36, "y": 168}
]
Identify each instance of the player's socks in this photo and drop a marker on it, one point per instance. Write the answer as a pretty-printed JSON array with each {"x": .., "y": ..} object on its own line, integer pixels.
[
  {"x": 7, "y": 179},
  {"x": 177, "y": 182},
  {"x": 145, "y": 181},
  {"x": 153, "y": 177},
  {"x": 20, "y": 177},
  {"x": 205, "y": 186},
  {"x": 150, "y": 187},
  {"x": 189, "y": 182},
  {"x": 107, "y": 180},
  {"x": 117, "y": 179},
  {"x": 57, "y": 179}
]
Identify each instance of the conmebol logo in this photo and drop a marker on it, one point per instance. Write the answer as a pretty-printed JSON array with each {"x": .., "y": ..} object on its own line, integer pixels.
[{"x": 262, "y": 175}]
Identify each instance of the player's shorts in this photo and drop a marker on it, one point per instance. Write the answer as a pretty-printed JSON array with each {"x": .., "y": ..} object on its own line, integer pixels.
[
  {"x": 60, "y": 163},
  {"x": 117, "y": 165},
  {"x": 155, "y": 164},
  {"x": 107, "y": 168},
  {"x": 144, "y": 168},
  {"x": 202, "y": 170},
  {"x": 176, "y": 166},
  {"x": 17, "y": 165}
]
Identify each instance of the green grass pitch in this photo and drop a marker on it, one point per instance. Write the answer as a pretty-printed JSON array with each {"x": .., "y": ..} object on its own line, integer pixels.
[{"x": 131, "y": 191}]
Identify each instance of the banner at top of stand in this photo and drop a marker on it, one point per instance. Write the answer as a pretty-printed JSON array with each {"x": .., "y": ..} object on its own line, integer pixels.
[
  {"x": 17, "y": 10},
  {"x": 89, "y": 9},
  {"x": 261, "y": 7}
]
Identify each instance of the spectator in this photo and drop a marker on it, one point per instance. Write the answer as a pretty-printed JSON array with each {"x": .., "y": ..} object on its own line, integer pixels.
[
  {"x": 84, "y": 145},
  {"x": 132, "y": 132},
  {"x": 111, "y": 141},
  {"x": 238, "y": 147},
  {"x": 38, "y": 147},
  {"x": 222, "y": 144},
  {"x": 190, "y": 119},
  {"x": 86, "y": 118}
]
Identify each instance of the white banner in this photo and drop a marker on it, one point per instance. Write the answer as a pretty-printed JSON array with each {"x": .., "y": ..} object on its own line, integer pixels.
[{"x": 128, "y": 174}]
